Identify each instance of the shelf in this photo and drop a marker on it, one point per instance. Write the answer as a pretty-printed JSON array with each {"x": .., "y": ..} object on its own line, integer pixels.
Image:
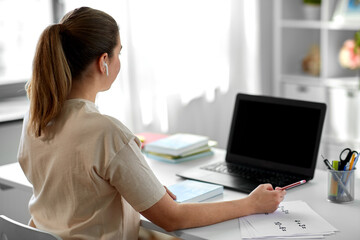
[
  {"x": 343, "y": 25},
  {"x": 301, "y": 24},
  {"x": 350, "y": 83},
  {"x": 344, "y": 82},
  {"x": 339, "y": 88},
  {"x": 310, "y": 24},
  {"x": 302, "y": 79}
]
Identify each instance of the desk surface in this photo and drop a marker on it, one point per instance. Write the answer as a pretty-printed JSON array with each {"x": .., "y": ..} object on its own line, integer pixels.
[
  {"x": 13, "y": 108},
  {"x": 345, "y": 217}
]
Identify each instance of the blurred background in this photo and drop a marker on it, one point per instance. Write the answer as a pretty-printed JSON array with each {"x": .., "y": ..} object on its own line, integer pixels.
[{"x": 183, "y": 62}]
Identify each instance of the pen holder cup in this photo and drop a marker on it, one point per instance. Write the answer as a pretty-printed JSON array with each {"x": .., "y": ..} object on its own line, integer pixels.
[{"x": 341, "y": 186}]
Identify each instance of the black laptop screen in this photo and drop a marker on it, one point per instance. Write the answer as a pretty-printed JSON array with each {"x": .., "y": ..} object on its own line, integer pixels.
[{"x": 276, "y": 132}]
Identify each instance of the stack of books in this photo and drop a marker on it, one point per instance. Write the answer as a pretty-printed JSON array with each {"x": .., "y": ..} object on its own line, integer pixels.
[
  {"x": 148, "y": 137},
  {"x": 179, "y": 147}
]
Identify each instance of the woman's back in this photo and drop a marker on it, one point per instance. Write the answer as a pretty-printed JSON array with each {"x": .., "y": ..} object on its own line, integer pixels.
[{"x": 75, "y": 192}]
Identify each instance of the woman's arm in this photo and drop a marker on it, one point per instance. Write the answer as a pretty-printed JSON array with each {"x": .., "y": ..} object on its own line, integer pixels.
[{"x": 171, "y": 216}]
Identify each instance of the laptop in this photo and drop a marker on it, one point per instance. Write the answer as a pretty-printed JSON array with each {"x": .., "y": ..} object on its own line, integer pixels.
[{"x": 272, "y": 140}]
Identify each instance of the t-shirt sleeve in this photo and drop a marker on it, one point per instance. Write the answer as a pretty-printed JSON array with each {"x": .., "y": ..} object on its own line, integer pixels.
[{"x": 130, "y": 174}]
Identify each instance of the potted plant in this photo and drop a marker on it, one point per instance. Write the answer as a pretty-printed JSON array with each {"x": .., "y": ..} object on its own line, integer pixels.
[
  {"x": 349, "y": 55},
  {"x": 311, "y": 9}
]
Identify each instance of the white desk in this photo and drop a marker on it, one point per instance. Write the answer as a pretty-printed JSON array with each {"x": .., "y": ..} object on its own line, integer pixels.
[
  {"x": 345, "y": 217},
  {"x": 13, "y": 108}
]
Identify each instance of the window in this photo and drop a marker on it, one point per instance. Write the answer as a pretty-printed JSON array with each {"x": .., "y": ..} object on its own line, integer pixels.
[{"x": 20, "y": 28}]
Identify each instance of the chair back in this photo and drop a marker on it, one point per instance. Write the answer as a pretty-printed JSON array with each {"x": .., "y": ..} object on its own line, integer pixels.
[{"x": 12, "y": 230}]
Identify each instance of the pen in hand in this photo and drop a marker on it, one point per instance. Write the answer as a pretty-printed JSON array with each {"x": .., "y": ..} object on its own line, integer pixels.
[{"x": 293, "y": 185}]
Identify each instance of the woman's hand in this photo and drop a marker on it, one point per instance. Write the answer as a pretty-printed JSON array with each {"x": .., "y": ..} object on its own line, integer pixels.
[
  {"x": 172, "y": 216},
  {"x": 264, "y": 199}
]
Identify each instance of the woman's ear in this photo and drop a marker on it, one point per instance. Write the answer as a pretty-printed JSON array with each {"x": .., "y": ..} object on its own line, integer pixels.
[{"x": 103, "y": 63}]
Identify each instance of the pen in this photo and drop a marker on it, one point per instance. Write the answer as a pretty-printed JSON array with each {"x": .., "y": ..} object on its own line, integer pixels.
[
  {"x": 335, "y": 165},
  {"x": 293, "y": 185},
  {"x": 327, "y": 163},
  {"x": 351, "y": 162},
  {"x": 355, "y": 161}
]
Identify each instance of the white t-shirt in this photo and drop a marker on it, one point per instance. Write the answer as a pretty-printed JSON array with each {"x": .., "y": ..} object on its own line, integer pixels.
[{"x": 89, "y": 176}]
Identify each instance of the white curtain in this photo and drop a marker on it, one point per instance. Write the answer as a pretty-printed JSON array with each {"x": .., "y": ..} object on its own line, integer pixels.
[
  {"x": 183, "y": 61},
  {"x": 178, "y": 48}
]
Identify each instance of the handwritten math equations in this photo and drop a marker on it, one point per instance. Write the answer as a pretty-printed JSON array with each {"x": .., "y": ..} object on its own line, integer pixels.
[{"x": 291, "y": 219}]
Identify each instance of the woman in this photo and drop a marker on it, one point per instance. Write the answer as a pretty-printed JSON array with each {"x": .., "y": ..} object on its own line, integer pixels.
[{"x": 90, "y": 180}]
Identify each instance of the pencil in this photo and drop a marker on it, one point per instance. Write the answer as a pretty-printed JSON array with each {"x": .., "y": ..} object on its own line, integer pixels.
[
  {"x": 293, "y": 185},
  {"x": 352, "y": 161}
]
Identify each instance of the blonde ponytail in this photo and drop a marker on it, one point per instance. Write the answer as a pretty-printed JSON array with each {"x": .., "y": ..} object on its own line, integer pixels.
[
  {"x": 64, "y": 51},
  {"x": 51, "y": 80}
]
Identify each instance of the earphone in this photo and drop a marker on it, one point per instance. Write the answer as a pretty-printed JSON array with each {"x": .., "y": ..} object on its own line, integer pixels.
[{"x": 106, "y": 69}]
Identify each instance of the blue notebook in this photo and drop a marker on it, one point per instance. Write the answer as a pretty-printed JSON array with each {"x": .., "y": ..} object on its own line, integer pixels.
[
  {"x": 195, "y": 191},
  {"x": 180, "y": 159},
  {"x": 177, "y": 144}
]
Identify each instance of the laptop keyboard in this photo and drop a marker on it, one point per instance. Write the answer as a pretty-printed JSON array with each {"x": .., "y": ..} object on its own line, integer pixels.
[{"x": 253, "y": 174}]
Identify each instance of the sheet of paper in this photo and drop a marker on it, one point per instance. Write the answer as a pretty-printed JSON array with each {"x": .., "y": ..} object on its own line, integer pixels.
[{"x": 291, "y": 219}]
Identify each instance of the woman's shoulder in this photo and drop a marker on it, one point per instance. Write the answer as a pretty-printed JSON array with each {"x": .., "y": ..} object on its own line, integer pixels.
[
  {"x": 89, "y": 118},
  {"x": 95, "y": 130},
  {"x": 116, "y": 126}
]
